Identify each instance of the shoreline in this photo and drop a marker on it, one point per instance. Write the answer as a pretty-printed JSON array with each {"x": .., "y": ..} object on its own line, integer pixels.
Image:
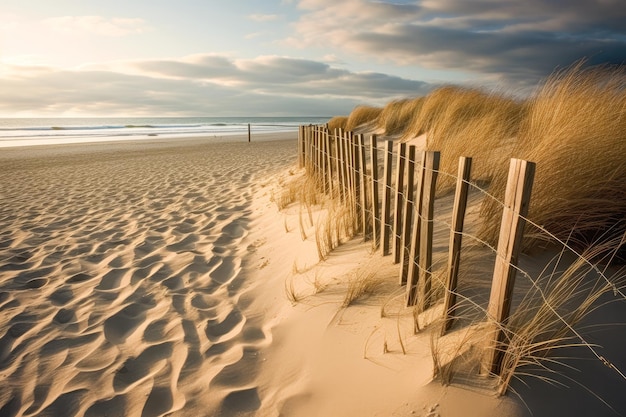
[{"x": 179, "y": 139}]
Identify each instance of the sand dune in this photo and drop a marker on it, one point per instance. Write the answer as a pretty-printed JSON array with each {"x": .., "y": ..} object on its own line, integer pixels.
[{"x": 121, "y": 278}]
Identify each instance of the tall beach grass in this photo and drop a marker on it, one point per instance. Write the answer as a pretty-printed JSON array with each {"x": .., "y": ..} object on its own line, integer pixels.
[{"x": 575, "y": 131}]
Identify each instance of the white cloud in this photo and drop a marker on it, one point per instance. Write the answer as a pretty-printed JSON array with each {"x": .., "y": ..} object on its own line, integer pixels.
[
  {"x": 199, "y": 84},
  {"x": 263, "y": 17},
  {"x": 98, "y": 25}
]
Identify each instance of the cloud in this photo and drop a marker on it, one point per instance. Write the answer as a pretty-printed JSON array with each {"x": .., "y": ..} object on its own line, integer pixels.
[
  {"x": 263, "y": 17},
  {"x": 197, "y": 85},
  {"x": 98, "y": 25},
  {"x": 519, "y": 42}
]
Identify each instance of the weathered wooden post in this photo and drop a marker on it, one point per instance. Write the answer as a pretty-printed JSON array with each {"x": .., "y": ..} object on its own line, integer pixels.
[
  {"x": 318, "y": 153},
  {"x": 386, "y": 212},
  {"x": 337, "y": 163},
  {"x": 421, "y": 251},
  {"x": 248, "y": 132},
  {"x": 414, "y": 251},
  {"x": 349, "y": 172},
  {"x": 363, "y": 180},
  {"x": 342, "y": 165},
  {"x": 329, "y": 160},
  {"x": 308, "y": 162},
  {"x": 396, "y": 237},
  {"x": 358, "y": 186},
  {"x": 408, "y": 215},
  {"x": 516, "y": 203},
  {"x": 427, "y": 228},
  {"x": 300, "y": 158},
  {"x": 375, "y": 201},
  {"x": 456, "y": 239}
]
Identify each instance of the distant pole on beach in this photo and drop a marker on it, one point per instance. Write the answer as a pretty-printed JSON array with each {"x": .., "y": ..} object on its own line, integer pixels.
[{"x": 248, "y": 132}]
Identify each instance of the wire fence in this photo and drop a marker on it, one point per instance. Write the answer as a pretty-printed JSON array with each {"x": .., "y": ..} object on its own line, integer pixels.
[{"x": 391, "y": 193}]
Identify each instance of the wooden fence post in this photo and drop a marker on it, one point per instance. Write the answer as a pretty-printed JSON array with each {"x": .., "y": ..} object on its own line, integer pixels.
[
  {"x": 408, "y": 215},
  {"x": 342, "y": 165},
  {"x": 338, "y": 163},
  {"x": 375, "y": 200},
  {"x": 318, "y": 155},
  {"x": 423, "y": 243},
  {"x": 329, "y": 160},
  {"x": 248, "y": 132},
  {"x": 300, "y": 156},
  {"x": 349, "y": 170},
  {"x": 396, "y": 237},
  {"x": 426, "y": 231},
  {"x": 516, "y": 202},
  {"x": 386, "y": 212},
  {"x": 363, "y": 180},
  {"x": 354, "y": 147},
  {"x": 456, "y": 238},
  {"x": 414, "y": 252},
  {"x": 313, "y": 151}
]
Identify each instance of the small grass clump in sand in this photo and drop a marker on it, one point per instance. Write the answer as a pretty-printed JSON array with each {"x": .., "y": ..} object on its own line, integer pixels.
[
  {"x": 333, "y": 226},
  {"x": 361, "y": 284},
  {"x": 335, "y": 221},
  {"x": 362, "y": 115}
]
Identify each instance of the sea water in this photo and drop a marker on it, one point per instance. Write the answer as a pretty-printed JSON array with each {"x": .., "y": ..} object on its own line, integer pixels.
[{"x": 40, "y": 131}]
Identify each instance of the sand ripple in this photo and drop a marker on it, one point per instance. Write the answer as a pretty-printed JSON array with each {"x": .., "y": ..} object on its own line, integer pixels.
[{"x": 120, "y": 277}]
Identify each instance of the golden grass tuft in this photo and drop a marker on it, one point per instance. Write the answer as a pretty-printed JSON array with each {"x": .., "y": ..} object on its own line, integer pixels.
[
  {"x": 361, "y": 115},
  {"x": 333, "y": 226},
  {"x": 337, "y": 122},
  {"x": 551, "y": 311},
  {"x": 362, "y": 283},
  {"x": 575, "y": 131},
  {"x": 483, "y": 126},
  {"x": 396, "y": 115}
]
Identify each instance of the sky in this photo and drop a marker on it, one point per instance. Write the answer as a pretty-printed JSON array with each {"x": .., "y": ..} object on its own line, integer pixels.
[{"x": 68, "y": 58}]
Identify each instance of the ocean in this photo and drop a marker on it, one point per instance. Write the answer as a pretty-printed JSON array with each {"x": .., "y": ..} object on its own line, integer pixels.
[{"x": 40, "y": 131}]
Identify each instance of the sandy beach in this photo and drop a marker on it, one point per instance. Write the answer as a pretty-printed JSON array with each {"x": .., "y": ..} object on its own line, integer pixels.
[
  {"x": 159, "y": 278},
  {"x": 122, "y": 275}
]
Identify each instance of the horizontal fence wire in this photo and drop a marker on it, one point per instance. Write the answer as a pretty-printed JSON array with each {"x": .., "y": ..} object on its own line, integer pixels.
[{"x": 343, "y": 185}]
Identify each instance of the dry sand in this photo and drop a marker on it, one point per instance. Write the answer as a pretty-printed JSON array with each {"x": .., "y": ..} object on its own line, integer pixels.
[
  {"x": 122, "y": 270},
  {"x": 150, "y": 278}
]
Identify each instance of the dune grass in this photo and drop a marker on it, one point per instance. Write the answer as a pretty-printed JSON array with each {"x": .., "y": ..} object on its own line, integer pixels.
[
  {"x": 361, "y": 115},
  {"x": 575, "y": 131},
  {"x": 396, "y": 115},
  {"x": 337, "y": 122},
  {"x": 574, "y": 128},
  {"x": 480, "y": 125},
  {"x": 363, "y": 283}
]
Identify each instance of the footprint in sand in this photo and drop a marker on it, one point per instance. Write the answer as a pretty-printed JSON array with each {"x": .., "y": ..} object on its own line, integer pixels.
[
  {"x": 114, "y": 279},
  {"x": 67, "y": 404},
  {"x": 188, "y": 244},
  {"x": 227, "y": 270},
  {"x": 108, "y": 407},
  {"x": 64, "y": 316},
  {"x": 118, "y": 327},
  {"x": 239, "y": 402},
  {"x": 159, "y": 402},
  {"x": 218, "y": 331},
  {"x": 148, "y": 363},
  {"x": 62, "y": 296}
]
